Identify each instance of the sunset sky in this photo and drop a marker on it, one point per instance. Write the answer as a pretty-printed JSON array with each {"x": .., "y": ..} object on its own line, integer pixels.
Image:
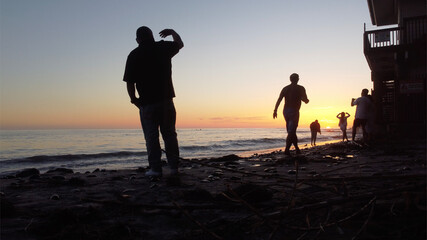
[{"x": 62, "y": 62}]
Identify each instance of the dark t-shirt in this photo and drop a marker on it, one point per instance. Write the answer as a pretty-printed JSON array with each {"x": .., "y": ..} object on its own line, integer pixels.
[
  {"x": 150, "y": 67},
  {"x": 293, "y": 95},
  {"x": 315, "y": 127}
]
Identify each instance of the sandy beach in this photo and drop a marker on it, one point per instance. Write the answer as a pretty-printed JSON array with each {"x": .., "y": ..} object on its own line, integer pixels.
[{"x": 333, "y": 191}]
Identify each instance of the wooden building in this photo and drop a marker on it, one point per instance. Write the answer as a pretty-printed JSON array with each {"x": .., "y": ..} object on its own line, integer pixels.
[{"x": 396, "y": 54}]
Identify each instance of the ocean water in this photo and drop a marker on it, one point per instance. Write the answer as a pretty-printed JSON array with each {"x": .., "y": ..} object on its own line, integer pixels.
[{"x": 89, "y": 149}]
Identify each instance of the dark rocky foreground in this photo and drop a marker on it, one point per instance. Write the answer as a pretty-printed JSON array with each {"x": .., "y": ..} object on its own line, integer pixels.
[{"x": 334, "y": 191}]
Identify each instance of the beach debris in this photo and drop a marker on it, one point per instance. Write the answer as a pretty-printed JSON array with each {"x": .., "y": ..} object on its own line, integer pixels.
[
  {"x": 194, "y": 166},
  {"x": 231, "y": 164},
  {"x": 54, "y": 197},
  {"x": 28, "y": 172},
  {"x": 211, "y": 178},
  {"x": 226, "y": 158},
  {"x": 249, "y": 192},
  {"x": 126, "y": 196},
  {"x": 331, "y": 157},
  {"x": 270, "y": 170},
  {"x": 60, "y": 170},
  {"x": 8, "y": 177},
  {"x": 154, "y": 178},
  {"x": 218, "y": 173},
  {"x": 129, "y": 190}
]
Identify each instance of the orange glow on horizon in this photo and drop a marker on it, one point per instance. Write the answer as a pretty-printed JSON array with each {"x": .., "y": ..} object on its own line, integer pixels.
[{"x": 130, "y": 119}]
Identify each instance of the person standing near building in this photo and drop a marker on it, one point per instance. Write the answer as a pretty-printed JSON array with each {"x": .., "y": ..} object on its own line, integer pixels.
[
  {"x": 363, "y": 109},
  {"x": 314, "y": 128},
  {"x": 343, "y": 123},
  {"x": 149, "y": 72},
  {"x": 293, "y": 95}
]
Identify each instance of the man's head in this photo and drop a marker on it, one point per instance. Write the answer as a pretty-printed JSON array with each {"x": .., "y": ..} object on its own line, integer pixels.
[
  {"x": 365, "y": 92},
  {"x": 294, "y": 78},
  {"x": 144, "y": 34}
]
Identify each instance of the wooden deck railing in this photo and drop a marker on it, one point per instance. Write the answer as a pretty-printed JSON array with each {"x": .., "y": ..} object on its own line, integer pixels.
[
  {"x": 409, "y": 32},
  {"x": 382, "y": 38}
]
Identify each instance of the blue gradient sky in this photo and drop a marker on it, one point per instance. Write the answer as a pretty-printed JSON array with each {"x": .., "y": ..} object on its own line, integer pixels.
[{"x": 62, "y": 62}]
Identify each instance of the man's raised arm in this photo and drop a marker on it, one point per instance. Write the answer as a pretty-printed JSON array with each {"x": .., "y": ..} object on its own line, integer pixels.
[{"x": 175, "y": 36}]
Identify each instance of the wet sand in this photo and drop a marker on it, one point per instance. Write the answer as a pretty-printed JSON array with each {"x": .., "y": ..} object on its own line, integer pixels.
[{"x": 332, "y": 191}]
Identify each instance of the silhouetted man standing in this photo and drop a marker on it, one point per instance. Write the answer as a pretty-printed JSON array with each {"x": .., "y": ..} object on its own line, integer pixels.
[
  {"x": 293, "y": 95},
  {"x": 362, "y": 113},
  {"x": 149, "y": 69},
  {"x": 314, "y": 128}
]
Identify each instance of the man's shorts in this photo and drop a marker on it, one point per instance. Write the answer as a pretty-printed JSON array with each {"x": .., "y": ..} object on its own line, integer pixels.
[
  {"x": 292, "y": 119},
  {"x": 359, "y": 122}
]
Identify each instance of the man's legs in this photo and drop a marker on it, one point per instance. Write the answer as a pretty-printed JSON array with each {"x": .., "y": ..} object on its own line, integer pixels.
[
  {"x": 167, "y": 128},
  {"x": 365, "y": 133},
  {"x": 314, "y": 138},
  {"x": 149, "y": 116},
  {"x": 291, "y": 139},
  {"x": 295, "y": 142},
  {"x": 292, "y": 119},
  {"x": 359, "y": 122},
  {"x": 355, "y": 125}
]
